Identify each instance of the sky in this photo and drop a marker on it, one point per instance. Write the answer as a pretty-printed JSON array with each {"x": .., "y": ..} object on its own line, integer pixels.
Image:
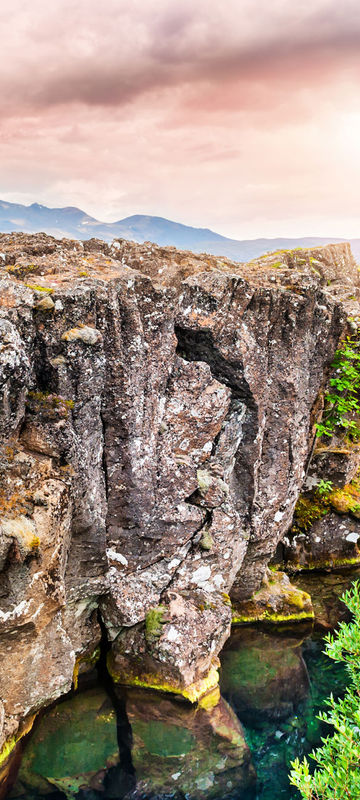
[{"x": 240, "y": 115}]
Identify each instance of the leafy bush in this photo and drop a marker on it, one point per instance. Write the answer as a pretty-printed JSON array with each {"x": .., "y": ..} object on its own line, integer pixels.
[
  {"x": 341, "y": 401},
  {"x": 337, "y": 773}
]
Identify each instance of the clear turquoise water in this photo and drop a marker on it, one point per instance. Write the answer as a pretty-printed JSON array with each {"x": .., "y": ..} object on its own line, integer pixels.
[
  {"x": 141, "y": 745},
  {"x": 277, "y": 734}
]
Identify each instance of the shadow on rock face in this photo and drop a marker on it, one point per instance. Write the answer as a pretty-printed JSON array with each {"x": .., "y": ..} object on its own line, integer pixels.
[{"x": 263, "y": 674}]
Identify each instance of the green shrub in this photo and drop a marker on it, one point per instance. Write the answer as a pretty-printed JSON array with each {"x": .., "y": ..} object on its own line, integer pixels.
[
  {"x": 337, "y": 773},
  {"x": 341, "y": 401}
]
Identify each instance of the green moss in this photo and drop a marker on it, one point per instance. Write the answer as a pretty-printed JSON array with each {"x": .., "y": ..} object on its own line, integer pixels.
[
  {"x": 45, "y": 401},
  {"x": 330, "y": 564},
  {"x": 39, "y": 288},
  {"x": 296, "y": 598},
  {"x": 347, "y": 499},
  {"x": 307, "y": 511},
  {"x": 154, "y": 621},
  {"x": 21, "y": 270},
  {"x": 271, "y": 618},
  {"x": 315, "y": 505},
  {"x": 7, "y": 749},
  {"x": 193, "y": 692}
]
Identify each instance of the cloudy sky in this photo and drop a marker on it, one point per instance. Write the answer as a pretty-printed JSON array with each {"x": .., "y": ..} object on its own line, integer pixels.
[{"x": 239, "y": 115}]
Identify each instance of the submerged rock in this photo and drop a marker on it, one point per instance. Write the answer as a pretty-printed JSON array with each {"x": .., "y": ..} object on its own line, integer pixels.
[
  {"x": 263, "y": 674},
  {"x": 72, "y": 748},
  {"x": 178, "y": 751}
]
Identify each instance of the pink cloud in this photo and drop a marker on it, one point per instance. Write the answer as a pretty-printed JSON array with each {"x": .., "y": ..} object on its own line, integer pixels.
[
  {"x": 112, "y": 53},
  {"x": 233, "y": 116}
]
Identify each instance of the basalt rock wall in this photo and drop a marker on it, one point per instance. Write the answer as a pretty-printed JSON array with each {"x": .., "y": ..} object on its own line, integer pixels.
[{"x": 156, "y": 412}]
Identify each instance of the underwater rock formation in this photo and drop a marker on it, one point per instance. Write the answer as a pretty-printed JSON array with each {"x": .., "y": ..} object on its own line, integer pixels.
[
  {"x": 171, "y": 749},
  {"x": 185, "y": 753},
  {"x": 263, "y": 674},
  {"x": 74, "y": 746},
  {"x": 155, "y": 418}
]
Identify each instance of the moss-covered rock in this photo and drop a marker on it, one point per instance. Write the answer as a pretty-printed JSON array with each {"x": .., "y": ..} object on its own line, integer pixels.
[
  {"x": 173, "y": 651},
  {"x": 136, "y": 675},
  {"x": 276, "y": 601},
  {"x": 154, "y": 621},
  {"x": 326, "y": 531},
  {"x": 331, "y": 543}
]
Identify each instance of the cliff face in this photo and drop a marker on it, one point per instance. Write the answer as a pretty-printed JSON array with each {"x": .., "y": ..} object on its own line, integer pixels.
[{"x": 156, "y": 409}]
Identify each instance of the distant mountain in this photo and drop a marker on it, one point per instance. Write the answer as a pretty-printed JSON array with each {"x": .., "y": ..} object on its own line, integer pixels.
[{"x": 73, "y": 223}]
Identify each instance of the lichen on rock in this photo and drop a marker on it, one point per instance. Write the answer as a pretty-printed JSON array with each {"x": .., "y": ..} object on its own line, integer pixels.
[{"x": 158, "y": 421}]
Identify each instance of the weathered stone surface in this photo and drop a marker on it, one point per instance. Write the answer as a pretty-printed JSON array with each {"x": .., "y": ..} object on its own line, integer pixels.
[
  {"x": 176, "y": 650},
  {"x": 331, "y": 541},
  {"x": 275, "y": 602},
  {"x": 45, "y": 304},
  {"x": 43, "y": 630},
  {"x": 337, "y": 462},
  {"x": 165, "y": 403},
  {"x": 326, "y": 529}
]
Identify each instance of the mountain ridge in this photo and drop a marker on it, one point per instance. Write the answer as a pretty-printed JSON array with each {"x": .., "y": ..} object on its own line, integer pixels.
[{"x": 73, "y": 222}]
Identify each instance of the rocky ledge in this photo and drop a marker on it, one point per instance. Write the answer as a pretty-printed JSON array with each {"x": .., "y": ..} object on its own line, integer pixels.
[{"x": 156, "y": 422}]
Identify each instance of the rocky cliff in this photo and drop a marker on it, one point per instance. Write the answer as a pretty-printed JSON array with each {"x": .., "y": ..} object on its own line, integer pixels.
[{"x": 156, "y": 422}]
